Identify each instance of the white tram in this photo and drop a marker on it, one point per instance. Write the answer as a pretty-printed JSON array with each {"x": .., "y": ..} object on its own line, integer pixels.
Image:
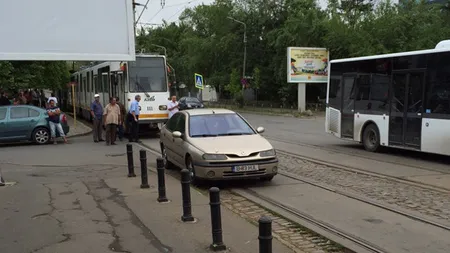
[{"x": 147, "y": 77}]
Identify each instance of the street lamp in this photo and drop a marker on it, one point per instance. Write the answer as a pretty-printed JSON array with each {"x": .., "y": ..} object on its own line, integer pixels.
[
  {"x": 245, "y": 46},
  {"x": 165, "y": 50}
]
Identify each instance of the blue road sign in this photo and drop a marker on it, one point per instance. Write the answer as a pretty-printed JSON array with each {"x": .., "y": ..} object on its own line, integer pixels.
[{"x": 199, "y": 81}]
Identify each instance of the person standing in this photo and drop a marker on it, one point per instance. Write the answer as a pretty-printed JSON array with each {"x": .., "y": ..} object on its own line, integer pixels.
[
  {"x": 123, "y": 112},
  {"x": 173, "y": 106},
  {"x": 4, "y": 99},
  {"x": 53, "y": 120},
  {"x": 133, "y": 119},
  {"x": 111, "y": 118},
  {"x": 97, "y": 114},
  {"x": 52, "y": 97}
]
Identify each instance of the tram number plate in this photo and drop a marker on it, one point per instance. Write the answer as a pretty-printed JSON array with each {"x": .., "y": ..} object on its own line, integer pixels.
[
  {"x": 245, "y": 168},
  {"x": 149, "y": 108}
]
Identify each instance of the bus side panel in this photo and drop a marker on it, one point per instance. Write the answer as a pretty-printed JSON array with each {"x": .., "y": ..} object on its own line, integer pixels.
[
  {"x": 381, "y": 121},
  {"x": 333, "y": 121},
  {"x": 436, "y": 136}
]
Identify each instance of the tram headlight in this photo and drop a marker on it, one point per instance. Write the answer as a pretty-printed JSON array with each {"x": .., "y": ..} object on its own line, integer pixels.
[{"x": 163, "y": 107}]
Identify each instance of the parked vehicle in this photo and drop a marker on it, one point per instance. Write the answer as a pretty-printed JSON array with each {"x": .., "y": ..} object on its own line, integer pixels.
[
  {"x": 190, "y": 103},
  {"x": 217, "y": 144},
  {"x": 27, "y": 123}
]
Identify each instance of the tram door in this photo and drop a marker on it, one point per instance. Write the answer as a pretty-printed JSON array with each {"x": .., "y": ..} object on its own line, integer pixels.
[
  {"x": 114, "y": 91},
  {"x": 405, "y": 121}
]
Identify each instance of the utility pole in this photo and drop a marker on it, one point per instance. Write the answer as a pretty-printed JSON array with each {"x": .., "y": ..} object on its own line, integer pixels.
[{"x": 245, "y": 49}]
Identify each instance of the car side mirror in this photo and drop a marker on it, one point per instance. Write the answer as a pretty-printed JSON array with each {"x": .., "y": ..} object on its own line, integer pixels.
[
  {"x": 177, "y": 134},
  {"x": 260, "y": 130}
]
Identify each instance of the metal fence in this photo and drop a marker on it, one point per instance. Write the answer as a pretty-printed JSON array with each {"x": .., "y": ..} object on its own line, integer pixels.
[{"x": 265, "y": 106}]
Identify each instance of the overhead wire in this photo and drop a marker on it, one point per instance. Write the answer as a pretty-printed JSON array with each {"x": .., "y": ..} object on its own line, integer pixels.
[{"x": 142, "y": 12}]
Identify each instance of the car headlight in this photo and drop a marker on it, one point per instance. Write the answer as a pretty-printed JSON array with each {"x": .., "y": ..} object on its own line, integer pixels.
[
  {"x": 214, "y": 157},
  {"x": 163, "y": 107},
  {"x": 270, "y": 152}
]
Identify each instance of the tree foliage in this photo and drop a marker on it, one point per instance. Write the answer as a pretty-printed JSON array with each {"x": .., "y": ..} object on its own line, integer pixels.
[
  {"x": 15, "y": 75},
  {"x": 205, "y": 41}
]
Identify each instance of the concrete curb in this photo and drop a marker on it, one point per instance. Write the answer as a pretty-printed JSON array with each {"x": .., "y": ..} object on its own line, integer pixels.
[{"x": 80, "y": 134}]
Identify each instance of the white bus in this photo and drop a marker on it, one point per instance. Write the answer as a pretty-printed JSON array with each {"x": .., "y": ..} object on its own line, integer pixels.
[
  {"x": 147, "y": 77},
  {"x": 397, "y": 100}
]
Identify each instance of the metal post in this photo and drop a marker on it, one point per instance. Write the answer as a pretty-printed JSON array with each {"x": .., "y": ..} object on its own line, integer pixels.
[
  {"x": 245, "y": 55},
  {"x": 186, "y": 194},
  {"x": 265, "y": 235},
  {"x": 130, "y": 161},
  {"x": 216, "y": 220},
  {"x": 144, "y": 171},
  {"x": 161, "y": 180}
]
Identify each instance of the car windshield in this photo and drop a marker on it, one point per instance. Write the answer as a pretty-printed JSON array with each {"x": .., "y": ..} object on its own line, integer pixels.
[
  {"x": 212, "y": 125},
  {"x": 192, "y": 100}
]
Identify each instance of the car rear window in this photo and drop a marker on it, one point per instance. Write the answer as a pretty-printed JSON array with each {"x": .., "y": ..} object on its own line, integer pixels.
[
  {"x": 3, "y": 113},
  {"x": 218, "y": 125}
]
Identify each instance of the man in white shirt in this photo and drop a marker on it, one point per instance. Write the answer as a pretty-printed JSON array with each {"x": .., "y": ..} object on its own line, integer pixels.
[{"x": 172, "y": 106}]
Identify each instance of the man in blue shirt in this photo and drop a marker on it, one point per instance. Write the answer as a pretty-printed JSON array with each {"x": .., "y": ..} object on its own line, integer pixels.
[
  {"x": 53, "y": 120},
  {"x": 97, "y": 114},
  {"x": 133, "y": 119}
]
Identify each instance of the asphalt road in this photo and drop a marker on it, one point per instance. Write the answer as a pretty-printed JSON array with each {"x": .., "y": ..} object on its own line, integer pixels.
[
  {"x": 393, "y": 232},
  {"x": 77, "y": 198}
]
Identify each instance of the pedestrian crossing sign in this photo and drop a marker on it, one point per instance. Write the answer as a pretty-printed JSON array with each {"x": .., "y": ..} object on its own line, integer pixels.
[{"x": 199, "y": 81}]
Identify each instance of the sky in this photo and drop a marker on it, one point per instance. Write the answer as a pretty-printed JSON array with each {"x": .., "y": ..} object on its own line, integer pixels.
[
  {"x": 154, "y": 14},
  {"x": 172, "y": 9}
]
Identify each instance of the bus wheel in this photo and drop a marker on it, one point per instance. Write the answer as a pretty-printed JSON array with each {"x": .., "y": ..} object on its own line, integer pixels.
[{"x": 371, "y": 138}]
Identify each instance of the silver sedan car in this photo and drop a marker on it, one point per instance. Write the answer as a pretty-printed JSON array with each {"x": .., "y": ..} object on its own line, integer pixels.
[{"x": 217, "y": 144}]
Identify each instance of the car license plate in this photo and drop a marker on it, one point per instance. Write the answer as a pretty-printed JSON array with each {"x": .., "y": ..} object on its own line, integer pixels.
[{"x": 245, "y": 168}]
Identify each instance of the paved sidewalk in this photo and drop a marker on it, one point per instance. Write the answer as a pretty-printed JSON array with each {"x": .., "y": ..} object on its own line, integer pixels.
[
  {"x": 240, "y": 236},
  {"x": 77, "y": 198},
  {"x": 78, "y": 129}
]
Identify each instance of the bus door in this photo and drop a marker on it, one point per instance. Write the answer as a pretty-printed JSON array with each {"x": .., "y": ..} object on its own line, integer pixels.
[
  {"x": 348, "y": 105},
  {"x": 405, "y": 120}
]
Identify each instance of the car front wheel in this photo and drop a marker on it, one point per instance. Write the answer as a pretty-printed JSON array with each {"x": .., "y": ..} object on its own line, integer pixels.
[
  {"x": 167, "y": 164},
  {"x": 41, "y": 136},
  {"x": 191, "y": 169}
]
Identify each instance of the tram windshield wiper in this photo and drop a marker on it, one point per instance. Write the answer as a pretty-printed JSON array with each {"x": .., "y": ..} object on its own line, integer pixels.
[{"x": 140, "y": 86}]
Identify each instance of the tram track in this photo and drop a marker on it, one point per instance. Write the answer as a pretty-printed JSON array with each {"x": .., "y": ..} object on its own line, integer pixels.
[
  {"x": 359, "y": 242},
  {"x": 362, "y": 171},
  {"x": 359, "y": 155},
  {"x": 319, "y": 224}
]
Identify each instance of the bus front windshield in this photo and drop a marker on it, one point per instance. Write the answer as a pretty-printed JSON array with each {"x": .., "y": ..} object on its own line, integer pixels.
[{"x": 148, "y": 74}]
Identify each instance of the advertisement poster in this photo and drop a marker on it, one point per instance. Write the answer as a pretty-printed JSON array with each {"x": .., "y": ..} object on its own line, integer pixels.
[{"x": 307, "y": 65}]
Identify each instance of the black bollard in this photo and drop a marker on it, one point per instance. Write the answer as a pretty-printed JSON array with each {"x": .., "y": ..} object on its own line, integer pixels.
[
  {"x": 265, "y": 235},
  {"x": 161, "y": 180},
  {"x": 144, "y": 171},
  {"x": 216, "y": 220},
  {"x": 186, "y": 194},
  {"x": 130, "y": 161}
]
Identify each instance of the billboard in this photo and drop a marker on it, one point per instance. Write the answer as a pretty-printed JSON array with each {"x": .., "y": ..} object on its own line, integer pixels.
[
  {"x": 77, "y": 30},
  {"x": 307, "y": 65}
]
